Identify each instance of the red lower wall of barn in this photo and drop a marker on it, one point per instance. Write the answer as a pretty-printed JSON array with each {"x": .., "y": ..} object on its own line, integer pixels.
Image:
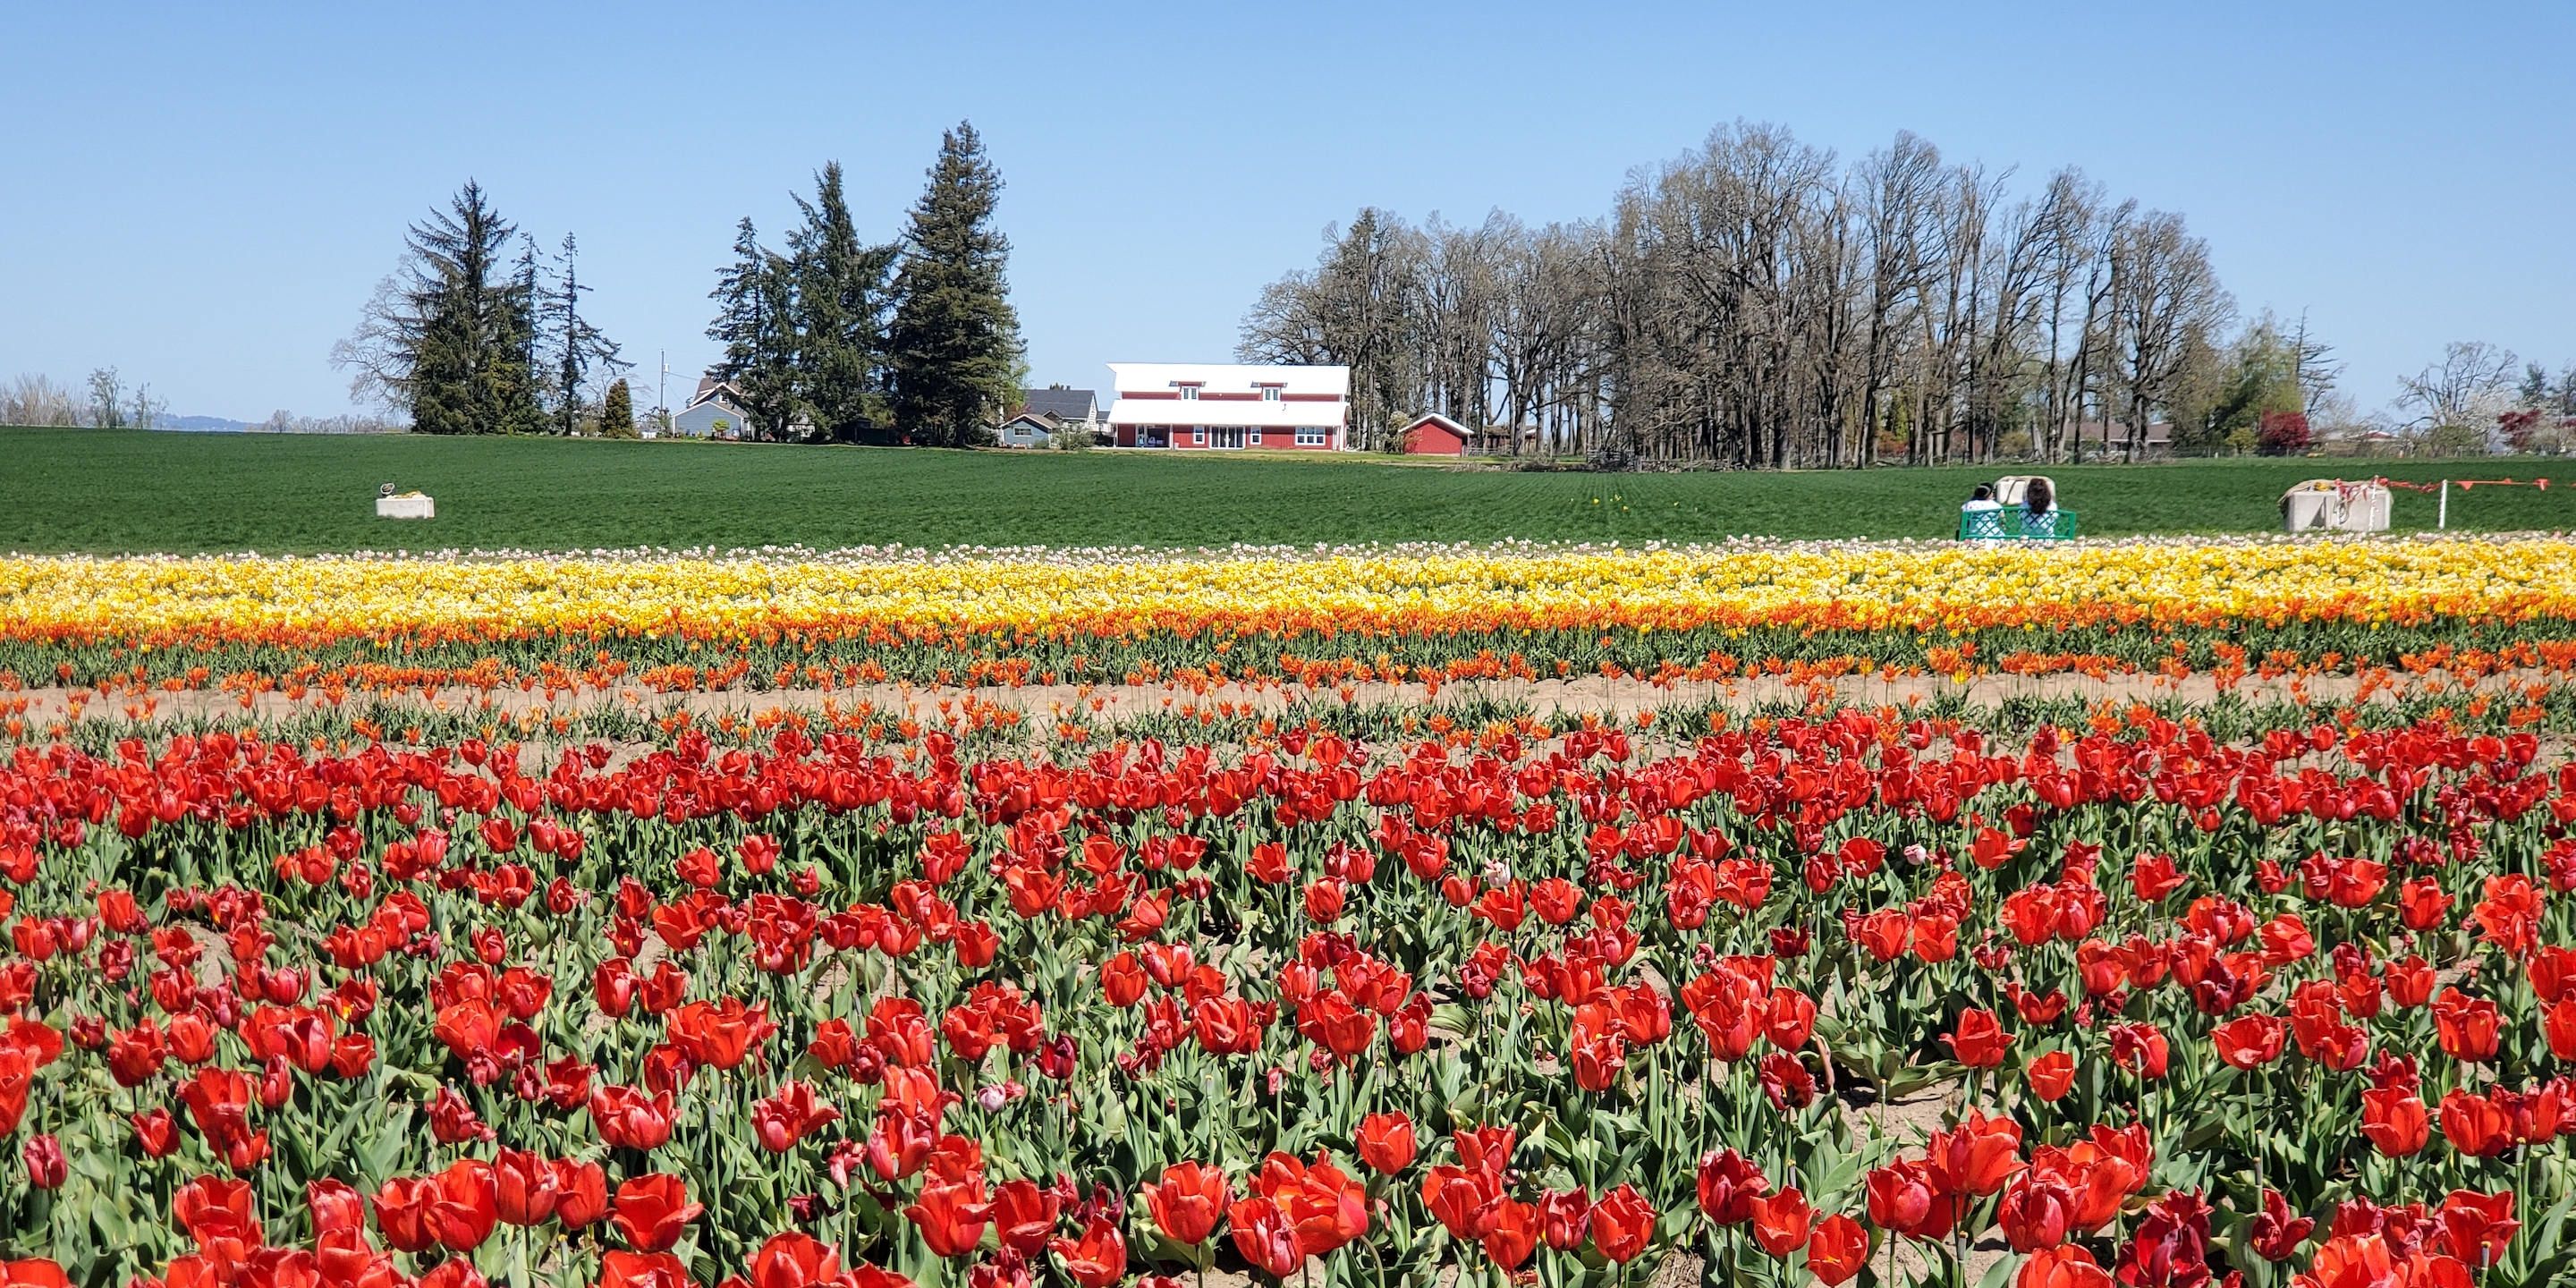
[{"x": 1128, "y": 436}]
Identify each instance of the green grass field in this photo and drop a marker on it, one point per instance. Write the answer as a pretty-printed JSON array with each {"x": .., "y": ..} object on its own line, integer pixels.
[{"x": 127, "y": 492}]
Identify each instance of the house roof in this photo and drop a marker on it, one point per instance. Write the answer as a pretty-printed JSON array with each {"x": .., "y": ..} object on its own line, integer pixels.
[
  {"x": 1435, "y": 418},
  {"x": 1066, "y": 404},
  {"x": 713, "y": 390}
]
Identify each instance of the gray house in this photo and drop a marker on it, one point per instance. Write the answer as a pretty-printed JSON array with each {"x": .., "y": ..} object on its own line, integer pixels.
[
  {"x": 715, "y": 411},
  {"x": 1044, "y": 413}
]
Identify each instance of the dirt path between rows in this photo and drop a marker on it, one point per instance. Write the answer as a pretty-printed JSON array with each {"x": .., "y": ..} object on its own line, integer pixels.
[{"x": 1547, "y": 700}]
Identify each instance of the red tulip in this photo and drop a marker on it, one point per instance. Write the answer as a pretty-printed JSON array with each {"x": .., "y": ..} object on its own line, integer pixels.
[
  {"x": 628, "y": 1119},
  {"x": 335, "y": 1207},
  {"x": 2410, "y": 981},
  {"x": 1904, "y": 1199},
  {"x": 2037, "y": 1211},
  {"x": 2067, "y": 1267},
  {"x": 638, "y": 1270},
  {"x": 402, "y": 1214},
  {"x": 212, "y": 1208},
  {"x": 463, "y": 1206},
  {"x": 2467, "y": 1027},
  {"x": 1728, "y": 1185},
  {"x": 2476, "y": 1227},
  {"x": 2475, "y": 1125},
  {"x": 1976, "y": 1157},
  {"x": 581, "y": 1193},
  {"x": 720, "y": 1034},
  {"x": 951, "y": 1215},
  {"x": 1782, "y": 1222},
  {"x": 2153, "y": 876},
  {"x": 46, "y": 1167},
  {"x": 524, "y": 1186},
  {"x": 1515, "y": 1233},
  {"x": 1838, "y": 1250},
  {"x": 2558, "y": 1025},
  {"x": 1563, "y": 1215},
  {"x": 1122, "y": 980},
  {"x": 2140, "y": 1049},
  {"x": 1188, "y": 1202},
  {"x": 2251, "y": 1041},
  {"x": 1386, "y": 1142},
  {"x": 2275, "y": 1233},
  {"x": 157, "y": 1132},
  {"x": 33, "y": 1272},
  {"x": 1096, "y": 1260},
  {"x": 652, "y": 1211},
  {"x": 1265, "y": 1237},
  {"x": 1024, "y": 1216},
  {"x": 2395, "y": 1121},
  {"x": 794, "y": 1260},
  {"x": 782, "y": 1120},
  {"x": 1326, "y": 1206},
  {"x": 1980, "y": 1041},
  {"x": 2051, "y": 1075}
]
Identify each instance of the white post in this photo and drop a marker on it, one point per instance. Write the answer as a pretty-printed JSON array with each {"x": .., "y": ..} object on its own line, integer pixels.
[{"x": 2443, "y": 519}]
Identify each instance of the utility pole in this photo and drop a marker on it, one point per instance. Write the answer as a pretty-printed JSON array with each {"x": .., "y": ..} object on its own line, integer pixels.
[{"x": 662, "y": 391}]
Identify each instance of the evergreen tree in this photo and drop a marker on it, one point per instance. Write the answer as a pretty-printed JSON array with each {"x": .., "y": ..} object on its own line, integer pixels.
[
  {"x": 617, "y": 412},
  {"x": 955, "y": 342},
  {"x": 840, "y": 308},
  {"x": 466, "y": 327},
  {"x": 755, "y": 298}
]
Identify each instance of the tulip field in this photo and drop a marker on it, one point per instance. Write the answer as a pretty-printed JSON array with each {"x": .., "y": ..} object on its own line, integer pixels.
[{"x": 520, "y": 921}]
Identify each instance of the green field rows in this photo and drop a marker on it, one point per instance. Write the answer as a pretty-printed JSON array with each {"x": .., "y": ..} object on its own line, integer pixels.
[{"x": 128, "y": 492}]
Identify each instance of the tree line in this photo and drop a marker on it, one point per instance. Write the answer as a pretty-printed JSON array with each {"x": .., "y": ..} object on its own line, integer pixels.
[
  {"x": 840, "y": 340},
  {"x": 833, "y": 340},
  {"x": 1757, "y": 303}
]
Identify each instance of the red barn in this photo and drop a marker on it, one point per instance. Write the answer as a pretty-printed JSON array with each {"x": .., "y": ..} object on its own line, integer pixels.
[{"x": 1433, "y": 434}]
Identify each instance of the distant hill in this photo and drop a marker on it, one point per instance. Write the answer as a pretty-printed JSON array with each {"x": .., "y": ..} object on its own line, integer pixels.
[{"x": 202, "y": 424}]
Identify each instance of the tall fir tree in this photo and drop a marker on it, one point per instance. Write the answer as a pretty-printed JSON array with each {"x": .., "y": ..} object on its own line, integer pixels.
[
  {"x": 617, "y": 412},
  {"x": 840, "y": 307},
  {"x": 467, "y": 328},
  {"x": 955, "y": 344},
  {"x": 755, "y": 297}
]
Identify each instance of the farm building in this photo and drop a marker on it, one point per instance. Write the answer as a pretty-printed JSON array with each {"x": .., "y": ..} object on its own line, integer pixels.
[
  {"x": 1206, "y": 405},
  {"x": 1432, "y": 434}
]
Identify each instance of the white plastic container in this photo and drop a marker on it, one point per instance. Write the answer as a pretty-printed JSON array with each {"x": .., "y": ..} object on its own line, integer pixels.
[
  {"x": 2332, "y": 505},
  {"x": 414, "y": 506}
]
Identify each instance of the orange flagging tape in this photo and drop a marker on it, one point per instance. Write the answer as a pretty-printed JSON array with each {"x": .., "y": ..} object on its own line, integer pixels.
[{"x": 2507, "y": 481}]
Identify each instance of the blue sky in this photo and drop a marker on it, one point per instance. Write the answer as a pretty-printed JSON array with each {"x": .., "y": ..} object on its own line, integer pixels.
[{"x": 203, "y": 195}]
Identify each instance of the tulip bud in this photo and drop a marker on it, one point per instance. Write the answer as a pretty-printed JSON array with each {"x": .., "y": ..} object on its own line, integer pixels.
[
  {"x": 277, "y": 1084},
  {"x": 46, "y": 1167}
]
